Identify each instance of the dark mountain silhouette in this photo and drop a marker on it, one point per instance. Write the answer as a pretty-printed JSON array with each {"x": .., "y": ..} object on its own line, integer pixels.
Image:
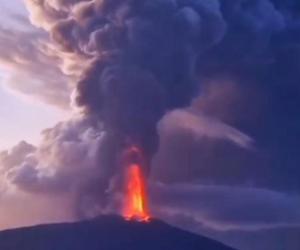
[{"x": 106, "y": 233}]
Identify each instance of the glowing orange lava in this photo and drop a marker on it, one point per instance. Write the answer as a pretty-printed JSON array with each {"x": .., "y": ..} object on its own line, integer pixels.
[{"x": 135, "y": 207}]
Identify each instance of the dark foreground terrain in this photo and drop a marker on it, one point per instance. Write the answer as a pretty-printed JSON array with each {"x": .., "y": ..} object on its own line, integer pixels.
[{"x": 105, "y": 233}]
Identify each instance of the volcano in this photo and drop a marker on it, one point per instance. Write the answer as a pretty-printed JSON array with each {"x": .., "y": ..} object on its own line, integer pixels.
[{"x": 106, "y": 233}]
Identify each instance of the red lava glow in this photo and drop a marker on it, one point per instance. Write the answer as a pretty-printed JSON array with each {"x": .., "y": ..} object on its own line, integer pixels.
[{"x": 135, "y": 205}]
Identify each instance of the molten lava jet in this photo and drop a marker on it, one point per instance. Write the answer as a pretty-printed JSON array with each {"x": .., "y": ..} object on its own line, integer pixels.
[{"x": 135, "y": 202}]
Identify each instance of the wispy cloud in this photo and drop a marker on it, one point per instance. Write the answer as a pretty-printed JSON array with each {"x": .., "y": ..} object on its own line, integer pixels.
[
  {"x": 32, "y": 67},
  {"x": 226, "y": 208},
  {"x": 203, "y": 126}
]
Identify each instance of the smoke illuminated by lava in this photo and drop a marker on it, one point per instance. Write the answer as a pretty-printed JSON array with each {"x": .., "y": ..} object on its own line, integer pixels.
[{"x": 135, "y": 202}]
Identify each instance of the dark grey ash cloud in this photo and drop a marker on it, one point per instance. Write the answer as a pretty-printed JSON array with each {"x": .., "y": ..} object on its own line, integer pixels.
[
  {"x": 140, "y": 66},
  {"x": 161, "y": 50}
]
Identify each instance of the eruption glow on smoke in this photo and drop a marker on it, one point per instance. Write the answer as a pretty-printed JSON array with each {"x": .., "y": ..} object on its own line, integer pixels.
[{"x": 135, "y": 203}]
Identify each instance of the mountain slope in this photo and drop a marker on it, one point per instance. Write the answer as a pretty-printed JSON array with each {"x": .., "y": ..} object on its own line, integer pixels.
[{"x": 105, "y": 233}]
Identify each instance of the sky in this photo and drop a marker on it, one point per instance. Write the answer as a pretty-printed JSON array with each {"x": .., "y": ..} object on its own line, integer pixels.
[
  {"x": 21, "y": 118},
  {"x": 208, "y": 89}
]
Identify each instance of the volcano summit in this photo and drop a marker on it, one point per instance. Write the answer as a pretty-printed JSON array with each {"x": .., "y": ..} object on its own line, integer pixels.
[{"x": 106, "y": 233}]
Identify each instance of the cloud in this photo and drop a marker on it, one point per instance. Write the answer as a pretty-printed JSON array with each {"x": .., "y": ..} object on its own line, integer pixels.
[
  {"x": 69, "y": 160},
  {"x": 194, "y": 146},
  {"x": 14, "y": 156},
  {"x": 202, "y": 126},
  {"x": 77, "y": 157},
  {"x": 111, "y": 41},
  {"x": 65, "y": 149},
  {"x": 31, "y": 66},
  {"x": 224, "y": 208}
]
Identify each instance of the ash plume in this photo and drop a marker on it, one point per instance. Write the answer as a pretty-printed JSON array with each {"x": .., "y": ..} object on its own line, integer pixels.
[
  {"x": 135, "y": 60},
  {"x": 141, "y": 57}
]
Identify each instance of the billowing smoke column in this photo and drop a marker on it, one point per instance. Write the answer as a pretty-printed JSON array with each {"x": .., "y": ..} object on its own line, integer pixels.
[
  {"x": 134, "y": 60},
  {"x": 139, "y": 58}
]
